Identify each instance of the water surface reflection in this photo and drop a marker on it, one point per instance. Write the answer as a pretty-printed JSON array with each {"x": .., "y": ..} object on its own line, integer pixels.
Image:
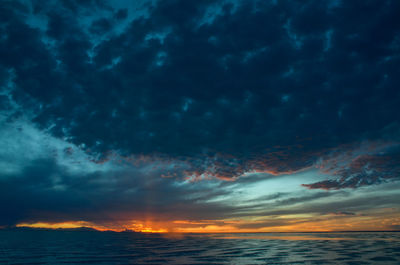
[{"x": 75, "y": 247}]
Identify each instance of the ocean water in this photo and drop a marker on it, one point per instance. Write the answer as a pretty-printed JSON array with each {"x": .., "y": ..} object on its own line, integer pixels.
[{"x": 92, "y": 247}]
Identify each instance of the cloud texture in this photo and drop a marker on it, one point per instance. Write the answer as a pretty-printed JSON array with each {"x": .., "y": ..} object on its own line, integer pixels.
[{"x": 193, "y": 90}]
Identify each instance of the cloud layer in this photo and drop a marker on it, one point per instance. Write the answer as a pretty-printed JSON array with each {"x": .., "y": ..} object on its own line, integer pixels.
[{"x": 143, "y": 95}]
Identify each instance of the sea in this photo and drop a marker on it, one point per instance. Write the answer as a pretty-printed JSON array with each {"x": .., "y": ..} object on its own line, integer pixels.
[{"x": 94, "y": 247}]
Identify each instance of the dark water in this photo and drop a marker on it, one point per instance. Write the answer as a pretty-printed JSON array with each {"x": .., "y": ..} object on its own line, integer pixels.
[{"x": 76, "y": 247}]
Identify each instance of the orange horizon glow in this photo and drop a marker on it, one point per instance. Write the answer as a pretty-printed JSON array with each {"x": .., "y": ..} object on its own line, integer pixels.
[
  {"x": 206, "y": 230},
  {"x": 329, "y": 223}
]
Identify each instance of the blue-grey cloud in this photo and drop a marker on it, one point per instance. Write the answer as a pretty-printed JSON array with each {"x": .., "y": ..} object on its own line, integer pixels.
[
  {"x": 252, "y": 77},
  {"x": 213, "y": 88}
]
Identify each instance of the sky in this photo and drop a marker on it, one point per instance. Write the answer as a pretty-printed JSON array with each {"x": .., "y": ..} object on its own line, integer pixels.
[{"x": 200, "y": 116}]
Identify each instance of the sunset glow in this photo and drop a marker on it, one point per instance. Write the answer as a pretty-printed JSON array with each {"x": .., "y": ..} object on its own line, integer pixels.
[
  {"x": 199, "y": 132},
  {"x": 216, "y": 116},
  {"x": 377, "y": 221}
]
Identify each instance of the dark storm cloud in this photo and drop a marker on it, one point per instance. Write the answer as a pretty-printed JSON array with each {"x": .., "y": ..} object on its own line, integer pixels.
[
  {"x": 45, "y": 190},
  {"x": 75, "y": 6},
  {"x": 229, "y": 87},
  {"x": 364, "y": 170}
]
